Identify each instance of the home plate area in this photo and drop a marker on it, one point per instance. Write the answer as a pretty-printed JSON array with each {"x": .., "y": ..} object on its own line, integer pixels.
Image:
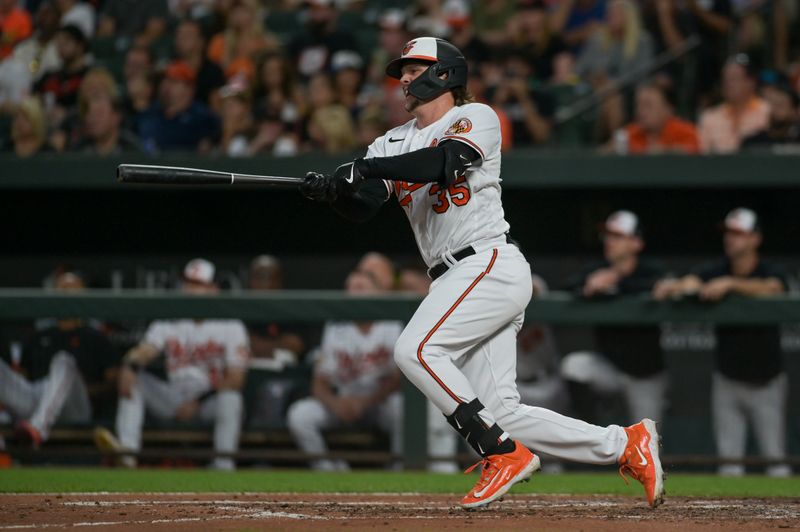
[{"x": 290, "y": 511}]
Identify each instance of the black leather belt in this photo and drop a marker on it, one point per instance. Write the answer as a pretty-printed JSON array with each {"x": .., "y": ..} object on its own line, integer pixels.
[{"x": 437, "y": 271}]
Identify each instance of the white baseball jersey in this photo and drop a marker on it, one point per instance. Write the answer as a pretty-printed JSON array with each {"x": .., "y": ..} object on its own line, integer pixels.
[
  {"x": 355, "y": 362},
  {"x": 197, "y": 352},
  {"x": 469, "y": 210}
]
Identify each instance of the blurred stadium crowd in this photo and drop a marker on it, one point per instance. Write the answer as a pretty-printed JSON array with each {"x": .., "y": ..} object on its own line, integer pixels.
[
  {"x": 246, "y": 77},
  {"x": 308, "y": 379}
]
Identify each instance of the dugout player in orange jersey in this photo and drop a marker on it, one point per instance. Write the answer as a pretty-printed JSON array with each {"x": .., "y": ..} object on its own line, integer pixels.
[{"x": 459, "y": 348}]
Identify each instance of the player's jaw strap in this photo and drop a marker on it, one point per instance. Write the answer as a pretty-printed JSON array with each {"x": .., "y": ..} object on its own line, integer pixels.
[{"x": 466, "y": 420}]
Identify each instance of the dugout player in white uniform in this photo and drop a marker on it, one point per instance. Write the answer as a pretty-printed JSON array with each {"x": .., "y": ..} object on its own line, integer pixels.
[
  {"x": 206, "y": 362},
  {"x": 355, "y": 381},
  {"x": 443, "y": 166}
]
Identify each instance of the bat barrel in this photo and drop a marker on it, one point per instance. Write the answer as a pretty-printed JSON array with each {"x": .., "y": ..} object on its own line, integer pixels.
[
  {"x": 170, "y": 175},
  {"x": 175, "y": 175}
]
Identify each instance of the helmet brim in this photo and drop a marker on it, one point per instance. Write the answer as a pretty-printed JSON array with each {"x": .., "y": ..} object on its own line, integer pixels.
[{"x": 395, "y": 67}]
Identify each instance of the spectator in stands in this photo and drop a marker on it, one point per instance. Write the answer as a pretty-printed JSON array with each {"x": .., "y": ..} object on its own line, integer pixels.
[
  {"x": 29, "y": 128},
  {"x": 237, "y": 121},
  {"x": 456, "y": 15},
  {"x": 139, "y": 85},
  {"x": 279, "y": 105},
  {"x": 206, "y": 364},
  {"x": 78, "y": 13},
  {"x": 133, "y": 22},
  {"x": 619, "y": 49},
  {"x": 59, "y": 89},
  {"x": 243, "y": 39},
  {"x": 371, "y": 124},
  {"x": 190, "y": 45},
  {"x": 742, "y": 112},
  {"x": 355, "y": 381},
  {"x": 656, "y": 129},
  {"x": 530, "y": 30},
  {"x": 329, "y": 126},
  {"x": 178, "y": 121},
  {"x": 577, "y": 20},
  {"x": 101, "y": 128},
  {"x": 749, "y": 383},
  {"x": 620, "y": 46},
  {"x": 347, "y": 68},
  {"x": 392, "y": 37},
  {"x": 530, "y": 109},
  {"x": 98, "y": 83},
  {"x": 491, "y": 19},
  {"x": 672, "y": 23},
  {"x": 139, "y": 60},
  {"x": 15, "y": 26},
  {"x": 784, "y": 119},
  {"x": 567, "y": 88},
  {"x": 427, "y": 18},
  {"x": 39, "y": 53},
  {"x": 61, "y": 367},
  {"x": 312, "y": 49},
  {"x": 629, "y": 360}
]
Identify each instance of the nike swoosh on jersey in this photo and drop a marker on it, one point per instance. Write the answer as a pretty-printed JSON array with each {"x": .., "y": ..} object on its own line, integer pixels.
[
  {"x": 349, "y": 178},
  {"x": 396, "y": 140}
]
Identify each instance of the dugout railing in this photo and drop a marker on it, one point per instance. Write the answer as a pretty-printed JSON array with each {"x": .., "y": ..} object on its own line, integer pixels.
[{"x": 319, "y": 306}]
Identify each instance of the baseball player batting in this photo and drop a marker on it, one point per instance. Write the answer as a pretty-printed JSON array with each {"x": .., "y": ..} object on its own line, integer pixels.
[{"x": 443, "y": 166}]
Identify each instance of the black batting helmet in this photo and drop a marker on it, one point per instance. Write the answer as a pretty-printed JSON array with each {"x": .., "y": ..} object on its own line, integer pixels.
[{"x": 443, "y": 57}]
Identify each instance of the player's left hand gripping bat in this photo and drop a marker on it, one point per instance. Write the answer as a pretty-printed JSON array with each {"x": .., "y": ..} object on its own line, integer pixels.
[{"x": 176, "y": 175}]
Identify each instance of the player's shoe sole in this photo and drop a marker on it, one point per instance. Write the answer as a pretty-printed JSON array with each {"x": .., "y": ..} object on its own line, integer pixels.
[
  {"x": 533, "y": 465},
  {"x": 655, "y": 453}
]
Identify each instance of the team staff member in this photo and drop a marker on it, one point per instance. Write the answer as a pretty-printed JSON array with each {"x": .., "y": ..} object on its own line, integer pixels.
[
  {"x": 629, "y": 359},
  {"x": 206, "y": 363},
  {"x": 459, "y": 347},
  {"x": 60, "y": 368},
  {"x": 749, "y": 381},
  {"x": 355, "y": 381}
]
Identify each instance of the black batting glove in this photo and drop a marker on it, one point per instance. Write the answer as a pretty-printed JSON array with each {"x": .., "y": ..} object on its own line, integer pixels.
[
  {"x": 348, "y": 177},
  {"x": 319, "y": 187}
]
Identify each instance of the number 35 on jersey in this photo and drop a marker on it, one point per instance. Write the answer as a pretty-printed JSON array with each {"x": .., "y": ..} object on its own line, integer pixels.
[{"x": 457, "y": 194}]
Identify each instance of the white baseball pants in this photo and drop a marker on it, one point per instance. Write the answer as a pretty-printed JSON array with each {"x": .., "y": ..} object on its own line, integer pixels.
[
  {"x": 308, "y": 417},
  {"x": 60, "y": 396},
  {"x": 162, "y": 399},
  {"x": 461, "y": 344},
  {"x": 733, "y": 403}
]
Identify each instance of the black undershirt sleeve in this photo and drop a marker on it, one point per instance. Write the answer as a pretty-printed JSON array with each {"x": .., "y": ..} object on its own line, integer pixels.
[
  {"x": 364, "y": 204},
  {"x": 426, "y": 165}
]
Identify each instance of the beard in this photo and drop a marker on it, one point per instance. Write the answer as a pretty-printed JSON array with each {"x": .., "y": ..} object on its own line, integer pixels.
[{"x": 411, "y": 103}]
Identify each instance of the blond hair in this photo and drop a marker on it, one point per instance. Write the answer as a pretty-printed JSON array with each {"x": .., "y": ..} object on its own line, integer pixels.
[
  {"x": 336, "y": 128},
  {"x": 32, "y": 108},
  {"x": 633, "y": 28}
]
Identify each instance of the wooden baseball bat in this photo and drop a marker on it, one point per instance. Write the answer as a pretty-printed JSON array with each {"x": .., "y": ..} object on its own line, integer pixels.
[{"x": 176, "y": 175}]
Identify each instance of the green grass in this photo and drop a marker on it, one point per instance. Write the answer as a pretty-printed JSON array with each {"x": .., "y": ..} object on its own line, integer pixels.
[{"x": 50, "y": 480}]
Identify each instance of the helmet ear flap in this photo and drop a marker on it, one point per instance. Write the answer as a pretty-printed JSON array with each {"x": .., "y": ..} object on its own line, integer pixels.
[{"x": 430, "y": 84}]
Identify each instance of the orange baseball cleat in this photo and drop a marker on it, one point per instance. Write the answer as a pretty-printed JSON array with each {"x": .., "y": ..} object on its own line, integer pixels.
[
  {"x": 641, "y": 460},
  {"x": 499, "y": 473}
]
